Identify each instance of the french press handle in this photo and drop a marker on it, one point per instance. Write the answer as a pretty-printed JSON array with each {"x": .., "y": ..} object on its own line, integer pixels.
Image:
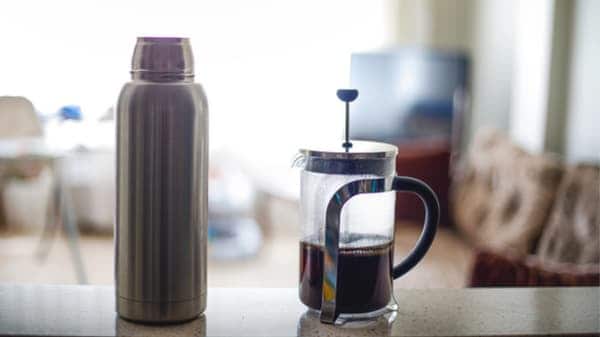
[{"x": 329, "y": 311}]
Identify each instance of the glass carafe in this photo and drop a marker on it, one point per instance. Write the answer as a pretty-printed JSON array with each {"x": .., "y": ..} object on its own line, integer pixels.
[{"x": 347, "y": 229}]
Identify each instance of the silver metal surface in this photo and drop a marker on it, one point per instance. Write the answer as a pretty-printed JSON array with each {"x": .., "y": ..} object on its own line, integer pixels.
[
  {"x": 332, "y": 235},
  {"x": 360, "y": 150},
  {"x": 158, "y": 55},
  {"x": 161, "y": 218},
  {"x": 364, "y": 157}
]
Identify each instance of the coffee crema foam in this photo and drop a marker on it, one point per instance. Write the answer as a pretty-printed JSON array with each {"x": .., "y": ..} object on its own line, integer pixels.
[{"x": 364, "y": 244}]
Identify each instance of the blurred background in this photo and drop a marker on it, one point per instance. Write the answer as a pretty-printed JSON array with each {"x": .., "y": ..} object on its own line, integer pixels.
[{"x": 491, "y": 102}]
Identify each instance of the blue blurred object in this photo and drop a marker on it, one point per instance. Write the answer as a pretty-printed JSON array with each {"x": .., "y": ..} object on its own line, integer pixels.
[
  {"x": 406, "y": 93},
  {"x": 72, "y": 112},
  {"x": 233, "y": 238}
]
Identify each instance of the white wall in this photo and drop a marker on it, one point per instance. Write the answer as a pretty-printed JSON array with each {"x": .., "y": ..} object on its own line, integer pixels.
[
  {"x": 531, "y": 73},
  {"x": 432, "y": 23},
  {"x": 492, "y": 55},
  {"x": 482, "y": 28},
  {"x": 583, "y": 119}
]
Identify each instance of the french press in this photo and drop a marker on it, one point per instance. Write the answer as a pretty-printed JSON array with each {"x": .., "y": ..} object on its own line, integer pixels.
[{"x": 347, "y": 225}]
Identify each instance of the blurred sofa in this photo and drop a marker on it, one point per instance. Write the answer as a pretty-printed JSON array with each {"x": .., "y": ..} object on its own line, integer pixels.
[{"x": 532, "y": 219}]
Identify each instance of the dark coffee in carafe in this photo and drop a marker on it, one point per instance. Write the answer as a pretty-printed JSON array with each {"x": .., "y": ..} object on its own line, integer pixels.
[{"x": 364, "y": 273}]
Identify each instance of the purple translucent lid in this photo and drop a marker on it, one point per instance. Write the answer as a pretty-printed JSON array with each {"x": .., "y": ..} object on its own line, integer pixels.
[{"x": 163, "y": 55}]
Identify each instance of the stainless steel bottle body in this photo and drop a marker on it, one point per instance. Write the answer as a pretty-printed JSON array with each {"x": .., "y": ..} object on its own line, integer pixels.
[{"x": 161, "y": 218}]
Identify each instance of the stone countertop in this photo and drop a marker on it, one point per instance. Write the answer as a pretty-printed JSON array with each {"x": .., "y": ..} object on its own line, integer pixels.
[{"x": 68, "y": 310}]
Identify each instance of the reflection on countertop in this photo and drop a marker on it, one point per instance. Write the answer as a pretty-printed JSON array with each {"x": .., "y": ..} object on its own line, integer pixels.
[
  {"x": 196, "y": 328},
  {"x": 68, "y": 310}
]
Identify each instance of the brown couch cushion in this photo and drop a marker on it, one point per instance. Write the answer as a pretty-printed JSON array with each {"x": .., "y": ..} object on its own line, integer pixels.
[
  {"x": 494, "y": 270},
  {"x": 502, "y": 195},
  {"x": 573, "y": 232}
]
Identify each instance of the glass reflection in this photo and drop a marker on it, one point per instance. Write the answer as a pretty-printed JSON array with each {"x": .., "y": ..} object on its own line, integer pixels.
[{"x": 310, "y": 325}]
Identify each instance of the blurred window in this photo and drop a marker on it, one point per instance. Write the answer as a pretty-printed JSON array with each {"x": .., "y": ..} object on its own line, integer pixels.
[{"x": 270, "y": 68}]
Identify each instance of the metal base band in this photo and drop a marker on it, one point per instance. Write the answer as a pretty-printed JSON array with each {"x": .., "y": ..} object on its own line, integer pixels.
[{"x": 160, "y": 312}]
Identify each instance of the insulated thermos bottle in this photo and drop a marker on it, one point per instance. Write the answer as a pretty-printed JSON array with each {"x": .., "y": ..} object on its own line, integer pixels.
[{"x": 162, "y": 162}]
